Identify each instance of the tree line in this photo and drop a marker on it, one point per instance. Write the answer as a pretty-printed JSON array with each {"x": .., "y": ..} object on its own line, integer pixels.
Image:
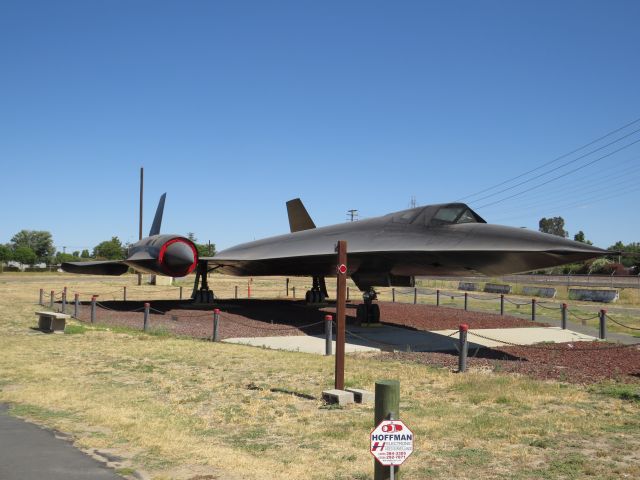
[{"x": 30, "y": 247}]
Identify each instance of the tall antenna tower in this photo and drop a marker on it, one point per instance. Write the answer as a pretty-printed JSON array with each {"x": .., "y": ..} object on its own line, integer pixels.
[
  {"x": 412, "y": 202},
  {"x": 352, "y": 215}
]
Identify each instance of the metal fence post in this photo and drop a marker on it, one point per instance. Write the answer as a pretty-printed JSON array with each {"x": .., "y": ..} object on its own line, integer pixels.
[
  {"x": 438, "y": 297},
  {"x": 216, "y": 321},
  {"x": 145, "y": 323},
  {"x": 287, "y": 287},
  {"x": 393, "y": 295},
  {"x": 293, "y": 292},
  {"x": 415, "y": 295},
  {"x": 328, "y": 334},
  {"x": 563, "y": 318},
  {"x": 466, "y": 299},
  {"x": 64, "y": 300},
  {"x": 248, "y": 290},
  {"x": 502, "y": 304},
  {"x": 603, "y": 324},
  {"x": 236, "y": 294},
  {"x": 76, "y": 302},
  {"x": 93, "y": 309},
  {"x": 180, "y": 292},
  {"x": 41, "y": 302},
  {"x": 51, "y": 299},
  {"x": 533, "y": 309},
  {"x": 124, "y": 293},
  {"x": 464, "y": 347}
]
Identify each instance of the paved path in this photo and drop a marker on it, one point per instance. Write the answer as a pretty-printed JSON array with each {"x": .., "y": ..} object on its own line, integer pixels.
[
  {"x": 386, "y": 337},
  {"x": 28, "y": 452}
]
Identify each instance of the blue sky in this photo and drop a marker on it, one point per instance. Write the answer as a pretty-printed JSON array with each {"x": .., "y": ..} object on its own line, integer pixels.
[{"x": 235, "y": 107}]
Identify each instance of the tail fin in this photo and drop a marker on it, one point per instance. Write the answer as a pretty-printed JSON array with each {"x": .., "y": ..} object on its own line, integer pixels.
[
  {"x": 299, "y": 218},
  {"x": 157, "y": 220}
]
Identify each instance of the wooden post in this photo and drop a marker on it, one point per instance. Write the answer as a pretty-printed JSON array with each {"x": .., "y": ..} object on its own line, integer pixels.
[
  {"x": 341, "y": 306},
  {"x": 387, "y": 405},
  {"x": 140, "y": 219},
  {"x": 393, "y": 295},
  {"x": 124, "y": 293},
  {"x": 64, "y": 300},
  {"x": 52, "y": 299},
  {"x": 180, "y": 292},
  {"x": 41, "y": 301}
]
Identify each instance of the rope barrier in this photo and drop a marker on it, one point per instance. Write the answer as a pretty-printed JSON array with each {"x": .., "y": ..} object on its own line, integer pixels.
[
  {"x": 516, "y": 303},
  {"x": 585, "y": 319},
  {"x": 293, "y": 327},
  {"x": 548, "y": 308},
  {"x": 104, "y": 307},
  {"x": 622, "y": 324}
]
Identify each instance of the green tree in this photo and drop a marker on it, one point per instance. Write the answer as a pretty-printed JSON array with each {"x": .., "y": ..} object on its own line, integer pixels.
[
  {"x": 579, "y": 237},
  {"x": 5, "y": 253},
  {"x": 76, "y": 253},
  {"x": 85, "y": 254},
  {"x": 554, "y": 226},
  {"x": 25, "y": 255},
  {"x": 109, "y": 250},
  {"x": 203, "y": 249},
  {"x": 630, "y": 253},
  {"x": 40, "y": 241}
]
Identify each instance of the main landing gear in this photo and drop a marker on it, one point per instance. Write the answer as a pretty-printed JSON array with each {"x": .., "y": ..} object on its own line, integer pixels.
[
  {"x": 201, "y": 292},
  {"x": 318, "y": 293},
  {"x": 368, "y": 312}
]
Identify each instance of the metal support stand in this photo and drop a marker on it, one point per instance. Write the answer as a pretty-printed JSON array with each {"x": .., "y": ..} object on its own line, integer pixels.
[
  {"x": 603, "y": 324},
  {"x": 145, "y": 324},
  {"x": 93, "y": 309},
  {"x": 328, "y": 333},
  {"x": 464, "y": 348},
  {"x": 563, "y": 319},
  {"x": 216, "y": 322},
  {"x": 501, "y": 304},
  {"x": 533, "y": 309}
]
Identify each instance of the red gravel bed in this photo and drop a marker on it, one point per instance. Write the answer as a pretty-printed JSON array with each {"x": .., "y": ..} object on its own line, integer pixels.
[
  {"x": 582, "y": 362},
  {"x": 579, "y": 362}
]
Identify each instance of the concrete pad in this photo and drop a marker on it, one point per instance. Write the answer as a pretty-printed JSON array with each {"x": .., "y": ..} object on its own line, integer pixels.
[
  {"x": 341, "y": 397},
  {"x": 500, "y": 337},
  {"x": 362, "y": 396},
  {"x": 300, "y": 343}
]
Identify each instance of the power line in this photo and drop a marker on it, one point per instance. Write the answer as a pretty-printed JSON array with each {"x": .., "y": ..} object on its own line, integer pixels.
[
  {"x": 554, "y": 160},
  {"x": 559, "y": 176}
]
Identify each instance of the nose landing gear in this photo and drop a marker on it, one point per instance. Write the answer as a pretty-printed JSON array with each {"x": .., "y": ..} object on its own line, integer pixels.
[{"x": 318, "y": 293}]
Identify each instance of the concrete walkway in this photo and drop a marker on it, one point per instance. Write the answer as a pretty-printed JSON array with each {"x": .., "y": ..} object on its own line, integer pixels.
[
  {"x": 386, "y": 337},
  {"x": 28, "y": 452}
]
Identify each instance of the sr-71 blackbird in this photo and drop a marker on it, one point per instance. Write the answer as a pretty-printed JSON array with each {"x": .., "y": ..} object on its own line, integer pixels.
[{"x": 391, "y": 250}]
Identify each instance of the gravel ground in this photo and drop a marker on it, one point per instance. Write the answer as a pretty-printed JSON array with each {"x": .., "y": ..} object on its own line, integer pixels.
[{"x": 580, "y": 362}]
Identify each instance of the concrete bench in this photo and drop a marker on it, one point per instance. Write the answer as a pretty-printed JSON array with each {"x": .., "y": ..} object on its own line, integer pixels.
[
  {"x": 497, "y": 288},
  {"x": 51, "y": 321},
  {"x": 545, "y": 292},
  {"x": 468, "y": 286},
  {"x": 593, "y": 295}
]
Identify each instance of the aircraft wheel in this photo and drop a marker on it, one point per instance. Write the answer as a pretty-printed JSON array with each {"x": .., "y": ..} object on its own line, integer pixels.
[
  {"x": 321, "y": 297},
  {"x": 308, "y": 297},
  {"x": 360, "y": 314},
  {"x": 374, "y": 313}
]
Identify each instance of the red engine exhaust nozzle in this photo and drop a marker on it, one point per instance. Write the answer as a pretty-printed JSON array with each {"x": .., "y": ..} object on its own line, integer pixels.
[{"x": 178, "y": 257}]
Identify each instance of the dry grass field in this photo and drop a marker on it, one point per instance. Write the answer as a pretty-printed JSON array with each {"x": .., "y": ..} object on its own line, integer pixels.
[{"x": 164, "y": 407}]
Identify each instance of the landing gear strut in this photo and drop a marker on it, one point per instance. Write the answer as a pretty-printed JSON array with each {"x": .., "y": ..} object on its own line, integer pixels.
[
  {"x": 201, "y": 292},
  {"x": 368, "y": 312},
  {"x": 318, "y": 293}
]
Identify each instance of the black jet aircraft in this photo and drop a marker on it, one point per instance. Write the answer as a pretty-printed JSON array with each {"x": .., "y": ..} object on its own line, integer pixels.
[{"x": 391, "y": 250}]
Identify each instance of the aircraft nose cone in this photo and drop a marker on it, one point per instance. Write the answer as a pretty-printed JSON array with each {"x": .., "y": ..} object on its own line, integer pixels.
[{"x": 180, "y": 258}]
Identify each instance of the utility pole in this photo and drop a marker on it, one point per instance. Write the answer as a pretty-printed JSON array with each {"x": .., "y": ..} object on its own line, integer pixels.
[
  {"x": 352, "y": 215},
  {"x": 412, "y": 202},
  {"x": 140, "y": 223}
]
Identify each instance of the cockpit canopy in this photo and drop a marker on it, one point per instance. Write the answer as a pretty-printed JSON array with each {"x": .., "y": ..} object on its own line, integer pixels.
[{"x": 439, "y": 215}]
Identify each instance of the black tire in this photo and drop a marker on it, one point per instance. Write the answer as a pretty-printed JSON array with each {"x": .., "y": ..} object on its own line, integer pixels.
[
  {"x": 374, "y": 313},
  {"x": 308, "y": 297},
  {"x": 360, "y": 314},
  {"x": 321, "y": 297}
]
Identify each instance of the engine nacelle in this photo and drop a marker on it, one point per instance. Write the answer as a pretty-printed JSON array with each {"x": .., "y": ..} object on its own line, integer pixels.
[{"x": 170, "y": 255}]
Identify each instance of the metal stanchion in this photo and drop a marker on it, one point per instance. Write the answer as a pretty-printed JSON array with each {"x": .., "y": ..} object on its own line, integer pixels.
[
  {"x": 145, "y": 324},
  {"x": 328, "y": 333},
  {"x": 76, "y": 303},
  {"x": 603, "y": 324},
  {"x": 293, "y": 292},
  {"x": 64, "y": 300},
  {"x": 533, "y": 309},
  {"x": 437, "y": 297},
  {"x": 464, "y": 347},
  {"x": 216, "y": 321},
  {"x": 52, "y": 299},
  {"x": 415, "y": 295},
  {"x": 563, "y": 318},
  {"x": 124, "y": 293},
  {"x": 181, "y": 292},
  {"x": 466, "y": 300},
  {"x": 236, "y": 294},
  {"x": 93, "y": 309},
  {"x": 393, "y": 295},
  {"x": 502, "y": 304},
  {"x": 41, "y": 302}
]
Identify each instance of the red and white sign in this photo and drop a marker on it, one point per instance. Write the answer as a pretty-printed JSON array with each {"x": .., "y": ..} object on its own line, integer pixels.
[
  {"x": 342, "y": 268},
  {"x": 391, "y": 442}
]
